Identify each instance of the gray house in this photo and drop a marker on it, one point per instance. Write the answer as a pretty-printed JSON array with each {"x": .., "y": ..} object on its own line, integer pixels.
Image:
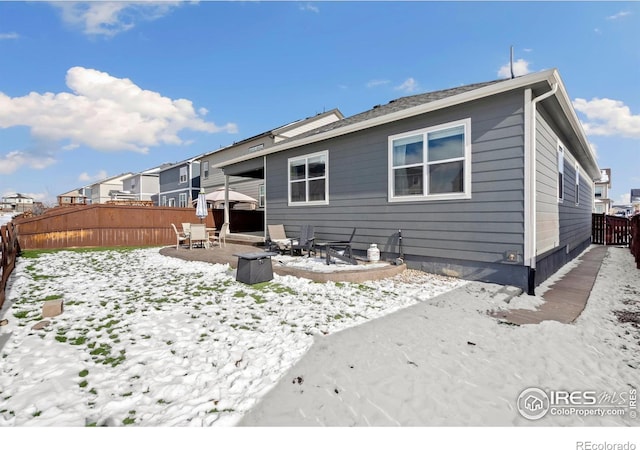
[
  {"x": 179, "y": 183},
  {"x": 490, "y": 181},
  {"x": 212, "y": 178}
]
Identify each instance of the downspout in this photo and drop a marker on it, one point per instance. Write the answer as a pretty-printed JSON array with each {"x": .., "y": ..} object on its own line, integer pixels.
[
  {"x": 264, "y": 179},
  {"x": 530, "y": 182}
]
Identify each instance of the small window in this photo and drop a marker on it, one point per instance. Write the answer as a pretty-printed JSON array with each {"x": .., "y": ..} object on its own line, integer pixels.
[
  {"x": 183, "y": 175},
  {"x": 261, "y": 196},
  {"x": 308, "y": 179},
  {"x": 172, "y": 202},
  {"x": 163, "y": 202},
  {"x": 431, "y": 164},
  {"x": 560, "y": 173},
  {"x": 205, "y": 169},
  {"x": 598, "y": 192},
  {"x": 577, "y": 184}
]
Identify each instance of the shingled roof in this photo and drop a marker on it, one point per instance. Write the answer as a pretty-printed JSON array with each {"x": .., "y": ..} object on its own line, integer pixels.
[{"x": 398, "y": 104}]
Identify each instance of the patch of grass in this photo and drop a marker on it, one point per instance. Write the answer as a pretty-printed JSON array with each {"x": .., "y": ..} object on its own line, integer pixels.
[
  {"x": 61, "y": 338},
  {"x": 240, "y": 294},
  {"x": 127, "y": 394},
  {"x": 83, "y": 384},
  {"x": 52, "y": 297},
  {"x": 21, "y": 314},
  {"x": 83, "y": 373},
  {"x": 37, "y": 413},
  {"x": 78, "y": 341}
]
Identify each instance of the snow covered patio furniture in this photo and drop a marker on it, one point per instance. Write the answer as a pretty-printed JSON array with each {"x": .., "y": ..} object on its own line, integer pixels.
[
  {"x": 306, "y": 242},
  {"x": 254, "y": 267},
  {"x": 180, "y": 237},
  {"x": 278, "y": 240},
  {"x": 339, "y": 249}
]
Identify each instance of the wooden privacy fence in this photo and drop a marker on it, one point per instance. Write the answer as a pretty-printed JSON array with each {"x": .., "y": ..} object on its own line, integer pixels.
[
  {"x": 104, "y": 226},
  {"x": 635, "y": 238},
  {"x": 610, "y": 230},
  {"x": 9, "y": 249}
]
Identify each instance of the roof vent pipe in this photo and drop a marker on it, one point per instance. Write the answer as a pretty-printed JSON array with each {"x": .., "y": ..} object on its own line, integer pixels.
[{"x": 511, "y": 63}]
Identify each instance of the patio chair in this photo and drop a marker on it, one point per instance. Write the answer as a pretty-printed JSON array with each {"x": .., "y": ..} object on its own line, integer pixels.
[
  {"x": 305, "y": 242},
  {"x": 186, "y": 228},
  {"x": 341, "y": 250},
  {"x": 221, "y": 239},
  {"x": 198, "y": 235},
  {"x": 278, "y": 240},
  {"x": 180, "y": 237}
]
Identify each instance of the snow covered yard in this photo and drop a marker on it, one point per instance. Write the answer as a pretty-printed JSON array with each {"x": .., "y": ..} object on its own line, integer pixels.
[{"x": 149, "y": 340}]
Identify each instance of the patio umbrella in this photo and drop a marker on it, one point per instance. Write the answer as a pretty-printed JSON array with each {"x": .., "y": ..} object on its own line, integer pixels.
[
  {"x": 216, "y": 197},
  {"x": 201, "y": 206}
]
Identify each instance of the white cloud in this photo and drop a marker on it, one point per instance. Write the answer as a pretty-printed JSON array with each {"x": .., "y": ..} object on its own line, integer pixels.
[
  {"x": 409, "y": 85},
  {"x": 13, "y": 161},
  {"x": 11, "y": 35},
  {"x": 619, "y": 15},
  {"x": 606, "y": 117},
  {"x": 111, "y": 18},
  {"x": 85, "y": 177},
  {"x": 520, "y": 67},
  {"x": 104, "y": 113},
  {"x": 375, "y": 83},
  {"x": 310, "y": 7}
]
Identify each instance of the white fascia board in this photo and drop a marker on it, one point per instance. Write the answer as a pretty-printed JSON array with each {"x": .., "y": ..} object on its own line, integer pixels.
[
  {"x": 567, "y": 106},
  {"x": 497, "y": 88}
]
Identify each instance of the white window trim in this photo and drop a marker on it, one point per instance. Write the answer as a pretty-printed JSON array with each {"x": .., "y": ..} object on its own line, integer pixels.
[
  {"x": 560, "y": 165},
  {"x": 324, "y": 153},
  {"x": 180, "y": 175},
  {"x": 205, "y": 170},
  {"x": 577, "y": 184},
  {"x": 261, "y": 195},
  {"x": 464, "y": 195},
  {"x": 182, "y": 200}
]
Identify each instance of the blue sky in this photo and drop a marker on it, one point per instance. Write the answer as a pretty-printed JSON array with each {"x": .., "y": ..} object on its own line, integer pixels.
[{"x": 94, "y": 89}]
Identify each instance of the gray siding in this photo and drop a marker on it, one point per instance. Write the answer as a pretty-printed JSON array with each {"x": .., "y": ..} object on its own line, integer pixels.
[{"x": 480, "y": 229}]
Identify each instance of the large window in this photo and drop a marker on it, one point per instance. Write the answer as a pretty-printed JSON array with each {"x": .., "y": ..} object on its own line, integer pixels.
[
  {"x": 308, "y": 179},
  {"x": 431, "y": 164},
  {"x": 183, "y": 174},
  {"x": 205, "y": 169},
  {"x": 182, "y": 200}
]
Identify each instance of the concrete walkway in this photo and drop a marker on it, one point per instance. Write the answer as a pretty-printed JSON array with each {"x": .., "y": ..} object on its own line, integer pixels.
[{"x": 566, "y": 298}]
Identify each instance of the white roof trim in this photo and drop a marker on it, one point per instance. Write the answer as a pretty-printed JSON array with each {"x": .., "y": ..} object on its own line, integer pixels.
[{"x": 551, "y": 76}]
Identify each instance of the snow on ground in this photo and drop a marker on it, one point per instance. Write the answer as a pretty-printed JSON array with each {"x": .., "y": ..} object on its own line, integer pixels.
[
  {"x": 149, "y": 340},
  {"x": 445, "y": 362},
  {"x": 318, "y": 264}
]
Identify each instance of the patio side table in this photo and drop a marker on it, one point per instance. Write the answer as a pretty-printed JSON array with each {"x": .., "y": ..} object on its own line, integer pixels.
[{"x": 254, "y": 267}]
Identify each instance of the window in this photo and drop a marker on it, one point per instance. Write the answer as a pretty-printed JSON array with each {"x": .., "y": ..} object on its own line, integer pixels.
[
  {"x": 598, "y": 191},
  {"x": 172, "y": 202},
  {"x": 308, "y": 179},
  {"x": 182, "y": 201},
  {"x": 560, "y": 173},
  {"x": 205, "y": 169},
  {"x": 163, "y": 202},
  {"x": 183, "y": 174},
  {"x": 431, "y": 164},
  {"x": 261, "y": 196},
  {"x": 577, "y": 184}
]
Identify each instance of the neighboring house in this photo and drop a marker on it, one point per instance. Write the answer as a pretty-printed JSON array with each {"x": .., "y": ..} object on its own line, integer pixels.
[
  {"x": 212, "y": 178},
  {"x": 634, "y": 196},
  {"x": 179, "y": 183},
  {"x": 144, "y": 186},
  {"x": 491, "y": 181},
  {"x": 602, "y": 202},
  {"x": 17, "y": 203},
  {"x": 107, "y": 189},
  {"x": 80, "y": 196}
]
